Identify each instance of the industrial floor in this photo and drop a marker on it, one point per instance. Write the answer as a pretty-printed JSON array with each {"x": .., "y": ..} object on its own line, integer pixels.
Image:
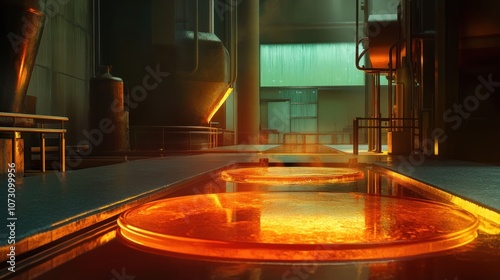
[{"x": 51, "y": 205}]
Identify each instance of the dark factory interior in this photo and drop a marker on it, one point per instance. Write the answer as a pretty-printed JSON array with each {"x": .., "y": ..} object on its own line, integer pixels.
[{"x": 250, "y": 139}]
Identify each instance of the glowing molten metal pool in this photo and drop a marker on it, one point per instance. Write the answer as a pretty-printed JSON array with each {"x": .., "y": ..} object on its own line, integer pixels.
[
  {"x": 295, "y": 226},
  {"x": 292, "y": 175}
]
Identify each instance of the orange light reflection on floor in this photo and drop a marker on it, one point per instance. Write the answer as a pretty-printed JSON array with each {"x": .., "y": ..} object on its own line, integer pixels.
[
  {"x": 278, "y": 175},
  {"x": 296, "y": 226}
]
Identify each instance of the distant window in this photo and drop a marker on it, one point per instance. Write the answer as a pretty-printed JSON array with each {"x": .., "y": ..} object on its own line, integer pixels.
[{"x": 311, "y": 65}]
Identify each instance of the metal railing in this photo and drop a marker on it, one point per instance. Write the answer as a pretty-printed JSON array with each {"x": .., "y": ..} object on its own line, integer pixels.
[
  {"x": 303, "y": 137},
  {"x": 223, "y": 132},
  {"x": 381, "y": 123},
  {"x": 165, "y": 137},
  {"x": 41, "y": 121}
]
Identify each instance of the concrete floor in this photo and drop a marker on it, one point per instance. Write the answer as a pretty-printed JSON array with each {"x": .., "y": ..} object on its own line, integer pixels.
[{"x": 52, "y": 205}]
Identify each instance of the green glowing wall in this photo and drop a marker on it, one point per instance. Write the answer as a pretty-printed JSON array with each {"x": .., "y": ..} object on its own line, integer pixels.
[{"x": 309, "y": 65}]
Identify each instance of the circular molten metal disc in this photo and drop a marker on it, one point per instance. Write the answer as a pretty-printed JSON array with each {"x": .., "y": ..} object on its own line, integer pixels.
[
  {"x": 297, "y": 226},
  {"x": 291, "y": 175}
]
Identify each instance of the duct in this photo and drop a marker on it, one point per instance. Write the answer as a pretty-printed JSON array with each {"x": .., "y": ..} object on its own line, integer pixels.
[{"x": 21, "y": 31}]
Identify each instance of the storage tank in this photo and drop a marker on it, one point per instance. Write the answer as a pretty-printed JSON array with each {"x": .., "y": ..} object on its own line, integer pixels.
[{"x": 108, "y": 119}]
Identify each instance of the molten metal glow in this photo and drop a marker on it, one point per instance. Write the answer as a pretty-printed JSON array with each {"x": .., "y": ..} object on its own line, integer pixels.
[
  {"x": 296, "y": 226},
  {"x": 292, "y": 175}
]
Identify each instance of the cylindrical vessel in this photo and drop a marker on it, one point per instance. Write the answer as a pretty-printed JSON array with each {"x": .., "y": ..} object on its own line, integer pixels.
[
  {"x": 108, "y": 119},
  {"x": 20, "y": 33}
]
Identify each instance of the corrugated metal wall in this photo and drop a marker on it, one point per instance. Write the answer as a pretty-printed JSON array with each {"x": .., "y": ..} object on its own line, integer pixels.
[{"x": 64, "y": 65}]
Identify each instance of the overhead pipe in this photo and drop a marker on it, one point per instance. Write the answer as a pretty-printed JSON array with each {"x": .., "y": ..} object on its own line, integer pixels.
[{"x": 378, "y": 134}]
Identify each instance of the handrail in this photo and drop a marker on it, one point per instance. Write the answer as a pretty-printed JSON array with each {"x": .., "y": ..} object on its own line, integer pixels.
[
  {"x": 35, "y": 117},
  {"x": 28, "y": 129},
  {"x": 325, "y": 133},
  {"x": 212, "y": 132},
  {"x": 386, "y": 118},
  {"x": 42, "y": 130},
  {"x": 174, "y": 126},
  {"x": 356, "y": 127}
]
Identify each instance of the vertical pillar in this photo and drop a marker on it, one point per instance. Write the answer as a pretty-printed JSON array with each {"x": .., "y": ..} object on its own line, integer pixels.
[
  {"x": 10, "y": 153},
  {"x": 378, "y": 131},
  {"x": 446, "y": 72},
  {"x": 248, "y": 83},
  {"x": 369, "y": 87}
]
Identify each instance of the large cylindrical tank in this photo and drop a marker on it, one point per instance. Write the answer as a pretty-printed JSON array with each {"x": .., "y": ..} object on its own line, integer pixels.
[
  {"x": 108, "y": 119},
  {"x": 21, "y": 26}
]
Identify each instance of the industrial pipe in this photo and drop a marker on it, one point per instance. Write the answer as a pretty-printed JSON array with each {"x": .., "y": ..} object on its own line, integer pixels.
[
  {"x": 233, "y": 46},
  {"x": 196, "y": 44},
  {"x": 378, "y": 134},
  {"x": 97, "y": 32},
  {"x": 409, "y": 48},
  {"x": 211, "y": 16}
]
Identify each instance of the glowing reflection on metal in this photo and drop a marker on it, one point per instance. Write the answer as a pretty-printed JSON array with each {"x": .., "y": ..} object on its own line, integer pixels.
[
  {"x": 218, "y": 105},
  {"x": 489, "y": 220}
]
